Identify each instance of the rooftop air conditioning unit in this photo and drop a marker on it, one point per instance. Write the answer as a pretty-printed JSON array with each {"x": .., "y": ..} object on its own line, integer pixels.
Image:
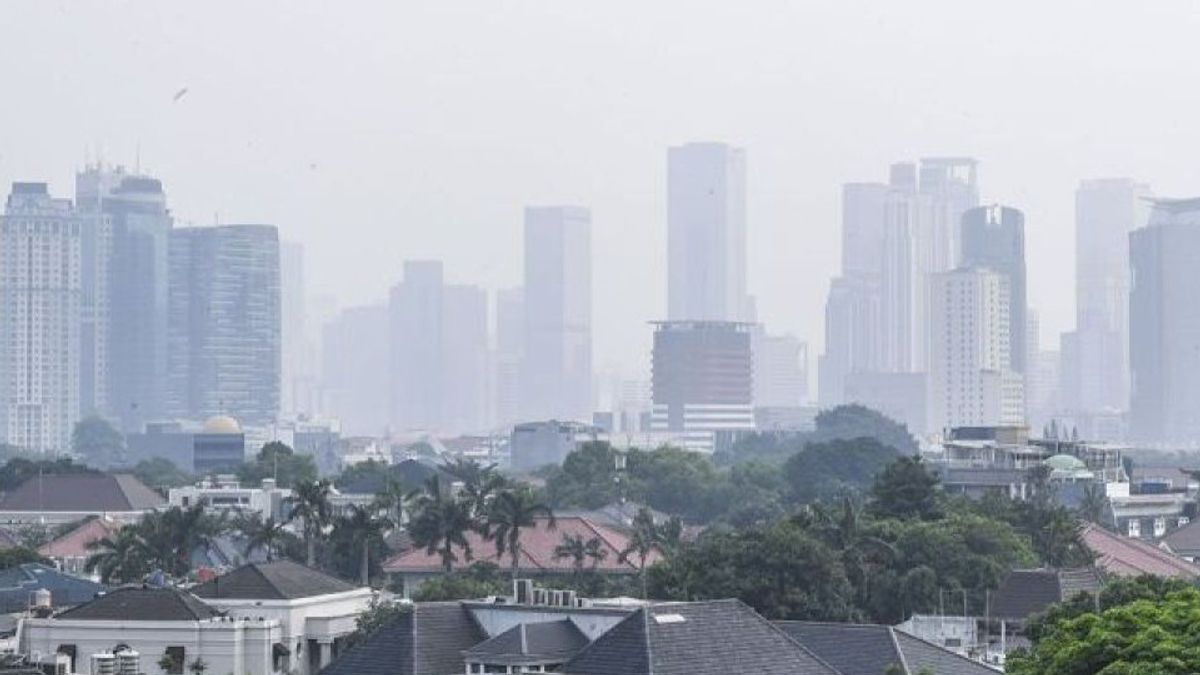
[
  {"x": 104, "y": 663},
  {"x": 129, "y": 662}
]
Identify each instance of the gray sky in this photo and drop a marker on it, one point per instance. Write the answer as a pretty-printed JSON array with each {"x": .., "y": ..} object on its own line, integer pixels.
[{"x": 379, "y": 131}]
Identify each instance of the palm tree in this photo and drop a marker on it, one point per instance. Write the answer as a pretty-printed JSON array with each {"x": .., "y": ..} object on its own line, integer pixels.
[
  {"x": 393, "y": 500},
  {"x": 171, "y": 536},
  {"x": 643, "y": 540},
  {"x": 268, "y": 535},
  {"x": 310, "y": 504},
  {"x": 843, "y": 531},
  {"x": 1093, "y": 503},
  {"x": 574, "y": 546},
  {"x": 511, "y": 511},
  {"x": 121, "y": 557},
  {"x": 363, "y": 526},
  {"x": 440, "y": 523},
  {"x": 480, "y": 483}
]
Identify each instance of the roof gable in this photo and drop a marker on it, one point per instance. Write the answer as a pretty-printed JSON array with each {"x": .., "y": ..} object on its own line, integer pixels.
[
  {"x": 852, "y": 649},
  {"x": 82, "y": 493},
  {"x": 427, "y": 640},
  {"x": 142, "y": 603},
  {"x": 278, "y": 580},
  {"x": 74, "y": 544},
  {"x": 531, "y": 643},
  {"x": 1129, "y": 557},
  {"x": 922, "y": 656}
]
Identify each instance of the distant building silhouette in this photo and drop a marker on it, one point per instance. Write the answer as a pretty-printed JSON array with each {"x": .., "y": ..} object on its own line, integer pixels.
[
  {"x": 556, "y": 371},
  {"x": 355, "y": 379},
  {"x": 224, "y": 329},
  {"x": 706, "y": 233},
  {"x": 994, "y": 237},
  {"x": 1164, "y": 324},
  {"x": 40, "y": 244}
]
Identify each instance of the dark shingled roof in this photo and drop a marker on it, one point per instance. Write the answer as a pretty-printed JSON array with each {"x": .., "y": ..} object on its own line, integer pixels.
[
  {"x": 871, "y": 649},
  {"x": 18, "y": 583},
  {"x": 278, "y": 580},
  {"x": 1027, "y": 592},
  {"x": 83, "y": 493},
  {"x": 531, "y": 644},
  {"x": 428, "y": 640},
  {"x": 699, "y": 638},
  {"x": 138, "y": 603},
  {"x": 1185, "y": 541}
]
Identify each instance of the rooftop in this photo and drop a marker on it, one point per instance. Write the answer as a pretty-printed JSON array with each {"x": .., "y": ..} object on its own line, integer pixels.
[
  {"x": 1027, "y": 592},
  {"x": 1127, "y": 557},
  {"x": 82, "y": 493},
  {"x": 546, "y": 642},
  {"x": 427, "y": 640},
  {"x": 278, "y": 580},
  {"x": 142, "y": 603},
  {"x": 871, "y": 649}
]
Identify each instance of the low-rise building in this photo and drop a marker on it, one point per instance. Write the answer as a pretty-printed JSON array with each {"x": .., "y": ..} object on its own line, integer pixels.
[
  {"x": 55, "y": 499},
  {"x": 71, "y": 550},
  {"x": 225, "y": 493}
]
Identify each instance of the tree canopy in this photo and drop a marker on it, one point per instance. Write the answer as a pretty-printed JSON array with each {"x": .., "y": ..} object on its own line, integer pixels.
[
  {"x": 98, "y": 442},
  {"x": 277, "y": 460}
]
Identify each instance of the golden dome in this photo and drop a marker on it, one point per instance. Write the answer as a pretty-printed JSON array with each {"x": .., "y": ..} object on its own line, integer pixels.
[{"x": 222, "y": 424}]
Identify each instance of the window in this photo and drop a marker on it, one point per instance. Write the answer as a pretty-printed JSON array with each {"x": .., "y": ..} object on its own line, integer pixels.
[
  {"x": 1160, "y": 526},
  {"x": 1134, "y": 527},
  {"x": 70, "y": 652},
  {"x": 172, "y": 660}
]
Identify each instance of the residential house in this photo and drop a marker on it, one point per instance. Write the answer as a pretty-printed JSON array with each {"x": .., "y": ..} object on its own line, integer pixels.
[
  {"x": 872, "y": 649},
  {"x": 1125, "y": 557},
  {"x": 70, "y": 551},
  {"x": 55, "y": 499},
  {"x": 20, "y": 586}
]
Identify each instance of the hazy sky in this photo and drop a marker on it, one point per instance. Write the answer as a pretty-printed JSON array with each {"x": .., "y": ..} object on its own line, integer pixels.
[{"x": 378, "y": 131}]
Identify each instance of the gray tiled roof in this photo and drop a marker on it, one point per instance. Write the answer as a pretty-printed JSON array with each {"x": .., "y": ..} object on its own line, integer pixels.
[
  {"x": 83, "y": 493},
  {"x": 1027, "y": 592},
  {"x": 19, "y": 582},
  {"x": 531, "y": 643},
  {"x": 428, "y": 640},
  {"x": 871, "y": 649},
  {"x": 699, "y": 638},
  {"x": 142, "y": 603},
  {"x": 1186, "y": 540},
  {"x": 278, "y": 580}
]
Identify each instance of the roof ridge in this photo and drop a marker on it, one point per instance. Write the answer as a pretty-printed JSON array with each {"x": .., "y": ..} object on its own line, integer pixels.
[
  {"x": 943, "y": 650},
  {"x": 771, "y": 624},
  {"x": 899, "y": 652},
  {"x": 649, "y": 643}
]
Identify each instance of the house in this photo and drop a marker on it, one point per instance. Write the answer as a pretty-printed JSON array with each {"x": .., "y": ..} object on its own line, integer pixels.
[
  {"x": 871, "y": 649},
  {"x": 1184, "y": 542},
  {"x": 1024, "y": 593},
  {"x": 228, "y": 495},
  {"x": 19, "y": 583},
  {"x": 70, "y": 550},
  {"x": 65, "y": 498},
  {"x": 314, "y": 611},
  {"x": 1124, "y": 557},
  {"x": 428, "y": 639},
  {"x": 542, "y": 646},
  {"x": 168, "y": 629},
  {"x": 415, "y": 566}
]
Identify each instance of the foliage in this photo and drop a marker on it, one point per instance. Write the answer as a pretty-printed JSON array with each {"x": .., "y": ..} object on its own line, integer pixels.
[
  {"x": 905, "y": 489},
  {"x": 1114, "y": 593},
  {"x": 310, "y": 505},
  {"x": 270, "y": 536},
  {"x": 480, "y": 484},
  {"x": 361, "y": 531},
  {"x": 98, "y": 442},
  {"x": 510, "y": 512},
  {"x": 361, "y": 470},
  {"x": 480, "y": 580},
  {"x": 827, "y": 470},
  {"x": 162, "y": 474},
  {"x": 1142, "y": 637},
  {"x": 441, "y": 523},
  {"x": 19, "y": 555},
  {"x": 587, "y": 478},
  {"x": 581, "y": 552},
  {"x": 846, "y": 422},
  {"x": 161, "y": 540},
  {"x": 277, "y": 460},
  {"x": 379, "y": 613}
]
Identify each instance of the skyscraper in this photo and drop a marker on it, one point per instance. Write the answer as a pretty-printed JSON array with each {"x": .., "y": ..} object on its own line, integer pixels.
[
  {"x": 994, "y": 237},
  {"x": 1095, "y": 356},
  {"x": 703, "y": 381},
  {"x": 125, "y": 318},
  {"x": 506, "y": 361},
  {"x": 1164, "y": 324},
  {"x": 556, "y": 372},
  {"x": 973, "y": 381},
  {"x": 224, "y": 331},
  {"x": 465, "y": 352},
  {"x": 296, "y": 374},
  {"x": 706, "y": 233},
  {"x": 417, "y": 344},
  {"x": 39, "y": 319},
  {"x": 354, "y": 346},
  {"x": 780, "y": 369}
]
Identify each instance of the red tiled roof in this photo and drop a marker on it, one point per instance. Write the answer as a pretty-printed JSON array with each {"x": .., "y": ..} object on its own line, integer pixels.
[
  {"x": 537, "y": 550},
  {"x": 1127, "y": 557},
  {"x": 74, "y": 544}
]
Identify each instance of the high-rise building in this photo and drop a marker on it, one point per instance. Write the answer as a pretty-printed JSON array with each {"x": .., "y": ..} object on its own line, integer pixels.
[
  {"x": 125, "y": 300},
  {"x": 39, "y": 319},
  {"x": 297, "y": 375},
  {"x": 951, "y": 188},
  {"x": 780, "y": 370},
  {"x": 465, "y": 362},
  {"x": 706, "y": 233},
  {"x": 556, "y": 371},
  {"x": 354, "y": 346},
  {"x": 973, "y": 383},
  {"x": 506, "y": 359},
  {"x": 417, "y": 344},
  {"x": 994, "y": 237},
  {"x": 1164, "y": 324},
  {"x": 223, "y": 341},
  {"x": 1095, "y": 356},
  {"x": 702, "y": 381}
]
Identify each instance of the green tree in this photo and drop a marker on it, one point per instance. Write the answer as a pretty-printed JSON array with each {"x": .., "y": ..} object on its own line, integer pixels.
[
  {"x": 1142, "y": 637},
  {"x": 480, "y": 483},
  {"x": 440, "y": 523},
  {"x": 172, "y": 535},
  {"x": 19, "y": 555},
  {"x": 378, "y": 614},
  {"x": 162, "y": 474},
  {"x": 364, "y": 528},
  {"x": 862, "y": 553},
  {"x": 122, "y": 557},
  {"x": 588, "y": 478},
  {"x": 512, "y": 511},
  {"x": 480, "y": 580},
  {"x": 848, "y": 422},
  {"x": 644, "y": 539},
  {"x": 268, "y": 535},
  {"x": 19, "y": 469},
  {"x": 277, "y": 460},
  {"x": 827, "y": 470},
  {"x": 579, "y": 551},
  {"x": 905, "y": 489},
  {"x": 1093, "y": 504},
  {"x": 310, "y": 505},
  {"x": 98, "y": 442}
]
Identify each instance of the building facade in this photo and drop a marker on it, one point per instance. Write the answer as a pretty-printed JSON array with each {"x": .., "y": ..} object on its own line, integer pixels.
[
  {"x": 556, "y": 370},
  {"x": 706, "y": 233},
  {"x": 703, "y": 381},
  {"x": 224, "y": 331},
  {"x": 993, "y": 237},
  {"x": 40, "y": 318}
]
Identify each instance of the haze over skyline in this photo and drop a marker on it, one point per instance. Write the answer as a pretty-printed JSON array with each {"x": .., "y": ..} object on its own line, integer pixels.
[{"x": 375, "y": 133}]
